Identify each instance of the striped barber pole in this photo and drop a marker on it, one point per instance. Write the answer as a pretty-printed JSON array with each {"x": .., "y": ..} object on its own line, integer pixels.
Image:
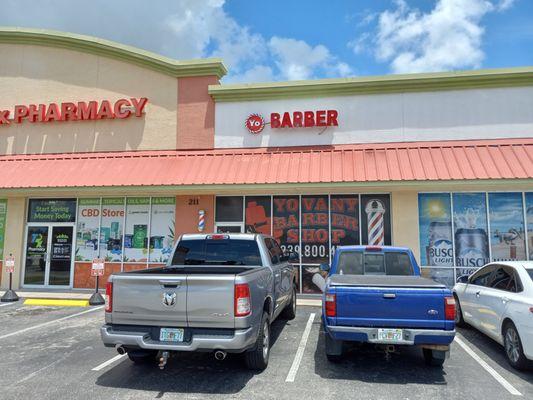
[
  {"x": 376, "y": 227},
  {"x": 201, "y": 220}
]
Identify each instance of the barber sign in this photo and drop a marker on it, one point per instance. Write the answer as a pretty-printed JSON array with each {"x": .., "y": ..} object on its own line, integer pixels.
[
  {"x": 10, "y": 264},
  {"x": 98, "y": 267}
]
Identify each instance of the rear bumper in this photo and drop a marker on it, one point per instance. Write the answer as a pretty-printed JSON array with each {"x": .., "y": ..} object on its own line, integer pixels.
[
  {"x": 410, "y": 336},
  {"x": 238, "y": 341}
]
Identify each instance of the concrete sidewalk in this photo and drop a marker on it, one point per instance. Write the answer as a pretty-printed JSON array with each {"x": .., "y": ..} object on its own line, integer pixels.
[{"x": 76, "y": 295}]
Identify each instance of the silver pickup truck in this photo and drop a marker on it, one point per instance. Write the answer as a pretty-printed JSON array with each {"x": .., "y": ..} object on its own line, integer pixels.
[{"x": 219, "y": 293}]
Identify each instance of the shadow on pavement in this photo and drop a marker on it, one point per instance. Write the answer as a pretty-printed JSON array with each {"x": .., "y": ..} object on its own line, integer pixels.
[
  {"x": 187, "y": 373},
  {"x": 494, "y": 351},
  {"x": 367, "y": 364}
]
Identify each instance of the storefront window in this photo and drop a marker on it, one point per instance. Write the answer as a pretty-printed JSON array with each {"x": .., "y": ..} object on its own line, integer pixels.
[
  {"x": 506, "y": 217},
  {"x": 112, "y": 229},
  {"x": 315, "y": 229},
  {"x": 52, "y": 210},
  {"x": 229, "y": 209},
  {"x": 435, "y": 229},
  {"x": 136, "y": 232},
  {"x": 529, "y": 216},
  {"x": 162, "y": 223},
  {"x": 3, "y": 213},
  {"x": 344, "y": 221},
  {"x": 375, "y": 220},
  {"x": 286, "y": 215},
  {"x": 258, "y": 214},
  {"x": 471, "y": 233},
  {"x": 87, "y": 229}
]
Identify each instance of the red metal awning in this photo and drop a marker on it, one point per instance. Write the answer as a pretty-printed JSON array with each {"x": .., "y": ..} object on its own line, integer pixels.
[{"x": 419, "y": 161}]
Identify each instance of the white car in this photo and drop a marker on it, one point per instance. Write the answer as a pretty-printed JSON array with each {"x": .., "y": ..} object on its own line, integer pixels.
[{"x": 498, "y": 300}]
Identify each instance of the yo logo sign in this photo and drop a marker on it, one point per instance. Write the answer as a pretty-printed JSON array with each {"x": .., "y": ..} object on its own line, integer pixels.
[{"x": 255, "y": 123}]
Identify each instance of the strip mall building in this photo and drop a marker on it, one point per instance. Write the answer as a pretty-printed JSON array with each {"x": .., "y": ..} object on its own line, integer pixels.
[{"x": 110, "y": 152}]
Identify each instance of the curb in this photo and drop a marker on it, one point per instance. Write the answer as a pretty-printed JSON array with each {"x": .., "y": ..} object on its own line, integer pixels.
[{"x": 56, "y": 302}]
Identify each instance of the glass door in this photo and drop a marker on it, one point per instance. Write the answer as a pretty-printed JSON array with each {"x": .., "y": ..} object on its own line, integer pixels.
[
  {"x": 60, "y": 255},
  {"x": 48, "y": 255},
  {"x": 36, "y": 255}
]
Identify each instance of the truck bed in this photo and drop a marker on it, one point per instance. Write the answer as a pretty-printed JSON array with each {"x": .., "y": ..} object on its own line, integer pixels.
[{"x": 384, "y": 281}]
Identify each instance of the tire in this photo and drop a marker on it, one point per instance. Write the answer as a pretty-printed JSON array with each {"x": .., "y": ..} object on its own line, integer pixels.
[
  {"x": 514, "y": 351},
  {"x": 257, "y": 357},
  {"x": 459, "y": 320},
  {"x": 431, "y": 360},
  {"x": 289, "y": 312},
  {"x": 334, "y": 349},
  {"x": 142, "y": 356}
]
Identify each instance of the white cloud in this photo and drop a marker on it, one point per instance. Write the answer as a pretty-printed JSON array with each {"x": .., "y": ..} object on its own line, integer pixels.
[
  {"x": 298, "y": 60},
  {"x": 447, "y": 37},
  {"x": 182, "y": 29}
]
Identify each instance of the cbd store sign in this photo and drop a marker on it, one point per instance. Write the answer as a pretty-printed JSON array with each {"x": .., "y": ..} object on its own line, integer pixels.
[
  {"x": 255, "y": 123},
  {"x": 80, "y": 111}
]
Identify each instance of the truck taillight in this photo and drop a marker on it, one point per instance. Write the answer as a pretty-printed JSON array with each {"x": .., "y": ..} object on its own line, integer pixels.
[
  {"x": 449, "y": 308},
  {"x": 109, "y": 297},
  {"x": 243, "y": 301},
  {"x": 331, "y": 305}
]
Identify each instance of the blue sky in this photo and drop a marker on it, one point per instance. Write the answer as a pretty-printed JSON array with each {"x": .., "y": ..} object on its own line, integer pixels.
[{"x": 296, "y": 39}]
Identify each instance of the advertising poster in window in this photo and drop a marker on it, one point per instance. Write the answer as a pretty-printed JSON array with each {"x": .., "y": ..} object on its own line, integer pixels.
[
  {"x": 286, "y": 215},
  {"x": 162, "y": 227},
  {"x": 344, "y": 221},
  {"x": 529, "y": 216},
  {"x": 136, "y": 231},
  {"x": 315, "y": 229},
  {"x": 471, "y": 234},
  {"x": 506, "y": 217},
  {"x": 435, "y": 229},
  {"x": 258, "y": 214},
  {"x": 112, "y": 229},
  {"x": 375, "y": 220},
  {"x": 3, "y": 213},
  {"x": 87, "y": 230},
  {"x": 52, "y": 210}
]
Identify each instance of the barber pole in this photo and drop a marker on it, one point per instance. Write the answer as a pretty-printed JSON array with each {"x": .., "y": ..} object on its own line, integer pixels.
[
  {"x": 201, "y": 220},
  {"x": 376, "y": 226}
]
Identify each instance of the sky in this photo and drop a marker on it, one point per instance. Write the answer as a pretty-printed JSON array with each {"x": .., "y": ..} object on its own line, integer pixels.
[{"x": 278, "y": 40}]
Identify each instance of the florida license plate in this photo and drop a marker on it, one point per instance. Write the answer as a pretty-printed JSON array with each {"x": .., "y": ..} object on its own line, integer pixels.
[
  {"x": 171, "y": 335},
  {"x": 390, "y": 335}
]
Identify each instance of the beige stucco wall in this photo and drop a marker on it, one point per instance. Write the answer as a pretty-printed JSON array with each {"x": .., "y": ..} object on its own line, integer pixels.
[
  {"x": 38, "y": 74},
  {"x": 14, "y": 238},
  {"x": 405, "y": 220}
]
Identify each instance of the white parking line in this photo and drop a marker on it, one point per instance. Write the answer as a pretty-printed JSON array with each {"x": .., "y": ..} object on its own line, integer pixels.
[
  {"x": 500, "y": 379},
  {"x": 301, "y": 348},
  {"x": 8, "y": 304},
  {"x": 49, "y": 322},
  {"x": 108, "y": 362}
]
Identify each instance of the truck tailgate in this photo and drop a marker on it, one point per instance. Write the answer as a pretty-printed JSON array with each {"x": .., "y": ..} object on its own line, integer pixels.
[
  {"x": 389, "y": 301},
  {"x": 138, "y": 299},
  {"x": 210, "y": 301}
]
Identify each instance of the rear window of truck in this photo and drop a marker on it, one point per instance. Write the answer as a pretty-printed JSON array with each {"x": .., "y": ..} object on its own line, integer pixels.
[
  {"x": 217, "y": 252},
  {"x": 361, "y": 263}
]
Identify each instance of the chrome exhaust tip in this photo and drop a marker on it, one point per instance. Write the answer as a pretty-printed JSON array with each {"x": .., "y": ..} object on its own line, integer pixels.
[
  {"x": 391, "y": 348},
  {"x": 220, "y": 355},
  {"x": 120, "y": 349}
]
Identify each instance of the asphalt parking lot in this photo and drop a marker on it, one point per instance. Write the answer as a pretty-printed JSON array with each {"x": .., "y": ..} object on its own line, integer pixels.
[{"x": 56, "y": 353}]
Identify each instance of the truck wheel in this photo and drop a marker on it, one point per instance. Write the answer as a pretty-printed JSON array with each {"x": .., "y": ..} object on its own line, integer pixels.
[
  {"x": 334, "y": 349},
  {"x": 142, "y": 356},
  {"x": 432, "y": 358},
  {"x": 513, "y": 347},
  {"x": 257, "y": 358},
  {"x": 459, "y": 321},
  {"x": 289, "y": 312}
]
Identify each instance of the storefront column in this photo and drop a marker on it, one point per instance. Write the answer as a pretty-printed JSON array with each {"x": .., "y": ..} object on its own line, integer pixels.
[
  {"x": 187, "y": 214},
  {"x": 405, "y": 221},
  {"x": 14, "y": 239}
]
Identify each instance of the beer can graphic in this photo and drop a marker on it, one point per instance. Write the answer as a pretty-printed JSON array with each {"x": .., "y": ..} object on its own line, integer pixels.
[
  {"x": 471, "y": 248},
  {"x": 440, "y": 249},
  {"x": 375, "y": 222}
]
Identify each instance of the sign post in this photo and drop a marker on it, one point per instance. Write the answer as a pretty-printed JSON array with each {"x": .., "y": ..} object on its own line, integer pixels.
[
  {"x": 97, "y": 270},
  {"x": 10, "y": 294}
]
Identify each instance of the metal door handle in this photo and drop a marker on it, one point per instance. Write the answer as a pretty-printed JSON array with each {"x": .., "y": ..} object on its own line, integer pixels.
[
  {"x": 505, "y": 299},
  {"x": 477, "y": 293}
]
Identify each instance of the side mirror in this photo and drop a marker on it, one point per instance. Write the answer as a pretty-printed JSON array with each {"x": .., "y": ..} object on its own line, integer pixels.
[
  {"x": 294, "y": 257},
  {"x": 324, "y": 267},
  {"x": 463, "y": 279}
]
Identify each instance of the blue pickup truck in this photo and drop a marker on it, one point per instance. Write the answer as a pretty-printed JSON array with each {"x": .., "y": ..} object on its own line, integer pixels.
[{"x": 376, "y": 295}]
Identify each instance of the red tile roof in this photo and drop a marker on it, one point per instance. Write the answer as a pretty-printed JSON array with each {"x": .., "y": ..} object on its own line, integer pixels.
[{"x": 418, "y": 161}]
